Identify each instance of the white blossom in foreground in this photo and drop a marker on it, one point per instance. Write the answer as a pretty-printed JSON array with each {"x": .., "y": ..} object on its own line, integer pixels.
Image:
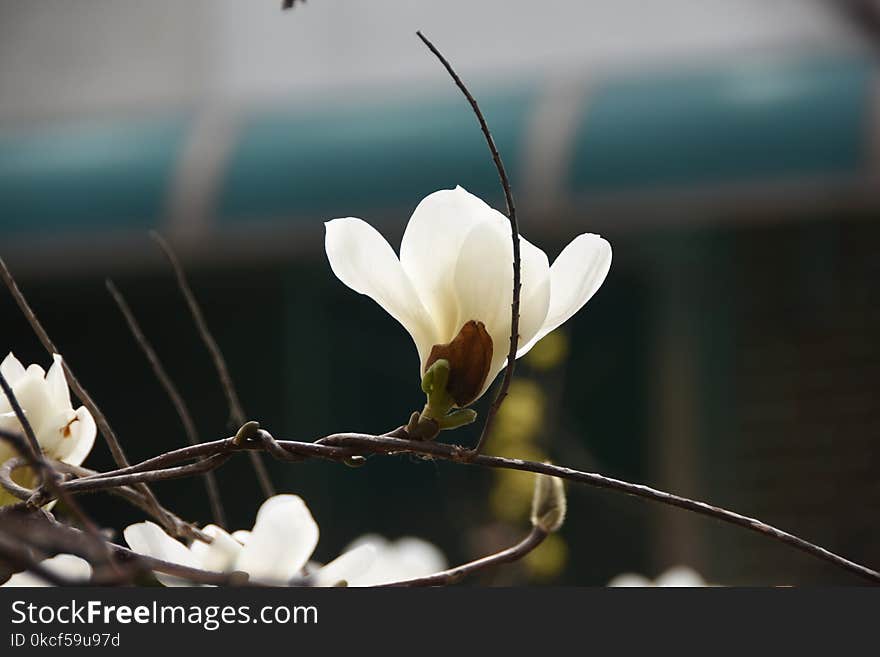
[
  {"x": 275, "y": 551},
  {"x": 678, "y": 576},
  {"x": 451, "y": 288},
  {"x": 405, "y": 558},
  {"x": 63, "y": 433},
  {"x": 67, "y": 566}
]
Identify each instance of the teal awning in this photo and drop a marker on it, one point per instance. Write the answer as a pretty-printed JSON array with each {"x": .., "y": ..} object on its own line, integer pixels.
[
  {"x": 767, "y": 120},
  {"x": 87, "y": 176},
  {"x": 796, "y": 117}
]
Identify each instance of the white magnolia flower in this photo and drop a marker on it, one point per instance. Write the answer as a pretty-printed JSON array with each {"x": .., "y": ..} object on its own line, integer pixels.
[
  {"x": 451, "y": 287},
  {"x": 275, "y": 551},
  {"x": 406, "y": 558},
  {"x": 63, "y": 565},
  {"x": 678, "y": 576},
  {"x": 64, "y": 434}
]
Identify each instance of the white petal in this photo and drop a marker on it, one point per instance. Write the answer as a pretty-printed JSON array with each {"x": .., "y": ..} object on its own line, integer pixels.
[
  {"x": 681, "y": 576},
  {"x": 149, "y": 539},
  {"x": 62, "y": 565},
  {"x": 380, "y": 543},
  {"x": 630, "y": 580},
  {"x": 242, "y": 536},
  {"x": 69, "y": 565},
  {"x": 404, "y": 559},
  {"x": 535, "y": 291},
  {"x": 533, "y": 306},
  {"x": 420, "y": 556},
  {"x": 430, "y": 249},
  {"x": 483, "y": 286},
  {"x": 11, "y": 369},
  {"x": 32, "y": 394},
  {"x": 57, "y": 383},
  {"x": 26, "y": 579},
  {"x": 75, "y": 447},
  {"x": 363, "y": 260},
  {"x": 575, "y": 276},
  {"x": 347, "y": 566},
  {"x": 220, "y": 554},
  {"x": 9, "y": 422},
  {"x": 283, "y": 538}
]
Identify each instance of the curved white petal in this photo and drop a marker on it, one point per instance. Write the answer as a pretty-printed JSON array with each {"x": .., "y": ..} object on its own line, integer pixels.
[
  {"x": 363, "y": 260},
  {"x": 630, "y": 580},
  {"x": 575, "y": 276},
  {"x": 11, "y": 369},
  {"x": 242, "y": 536},
  {"x": 54, "y": 432},
  {"x": 283, "y": 538},
  {"x": 57, "y": 383},
  {"x": 535, "y": 291},
  {"x": 458, "y": 253},
  {"x": 63, "y": 565},
  {"x": 149, "y": 539},
  {"x": 419, "y": 557},
  {"x": 430, "y": 249},
  {"x": 404, "y": 559},
  {"x": 75, "y": 447},
  {"x": 61, "y": 432},
  {"x": 35, "y": 370},
  {"x": 219, "y": 555},
  {"x": 347, "y": 566},
  {"x": 681, "y": 576},
  {"x": 482, "y": 287},
  {"x": 377, "y": 541},
  {"x": 32, "y": 394}
]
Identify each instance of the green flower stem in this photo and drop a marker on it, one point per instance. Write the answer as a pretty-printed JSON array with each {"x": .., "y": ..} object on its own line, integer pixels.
[{"x": 439, "y": 412}]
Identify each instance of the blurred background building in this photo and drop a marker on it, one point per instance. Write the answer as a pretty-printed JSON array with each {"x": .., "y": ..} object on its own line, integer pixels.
[{"x": 729, "y": 150}]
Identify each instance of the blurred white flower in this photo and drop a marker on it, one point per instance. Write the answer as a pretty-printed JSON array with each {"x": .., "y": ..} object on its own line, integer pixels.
[
  {"x": 678, "y": 576},
  {"x": 63, "y": 565},
  {"x": 406, "y": 558},
  {"x": 451, "y": 287},
  {"x": 275, "y": 551},
  {"x": 64, "y": 434}
]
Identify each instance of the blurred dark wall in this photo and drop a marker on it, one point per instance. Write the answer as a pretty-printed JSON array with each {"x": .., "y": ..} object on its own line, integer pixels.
[{"x": 732, "y": 364}]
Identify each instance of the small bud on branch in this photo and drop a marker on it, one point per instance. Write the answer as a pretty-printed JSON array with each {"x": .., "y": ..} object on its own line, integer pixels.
[{"x": 548, "y": 503}]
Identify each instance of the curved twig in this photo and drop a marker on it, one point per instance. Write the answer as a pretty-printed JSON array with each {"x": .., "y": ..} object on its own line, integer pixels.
[
  {"x": 342, "y": 446},
  {"x": 174, "y": 395},
  {"x": 514, "y": 235},
  {"x": 236, "y": 413},
  {"x": 103, "y": 424},
  {"x": 453, "y": 575}
]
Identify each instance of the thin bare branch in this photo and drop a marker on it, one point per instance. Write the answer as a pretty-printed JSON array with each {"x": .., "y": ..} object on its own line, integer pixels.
[
  {"x": 174, "y": 395},
  {"x": 514, "y": 234},
  {"x": 342, "y": 446},
  {"x": 78, "y": 390},
  {"x": 52, "y": 537},
  {"x": 30, "y": 498},
  {"x": 175, "y": 472},
  {"x": 30, "y": 451},
  {"x": 19, "y": 559},
  {"x": 236, "y": 412},
  {"x": 453, "y": 575}
]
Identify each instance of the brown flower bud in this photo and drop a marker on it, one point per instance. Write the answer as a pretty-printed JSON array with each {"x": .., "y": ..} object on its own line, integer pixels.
[{"x": 470, "y": 357}]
